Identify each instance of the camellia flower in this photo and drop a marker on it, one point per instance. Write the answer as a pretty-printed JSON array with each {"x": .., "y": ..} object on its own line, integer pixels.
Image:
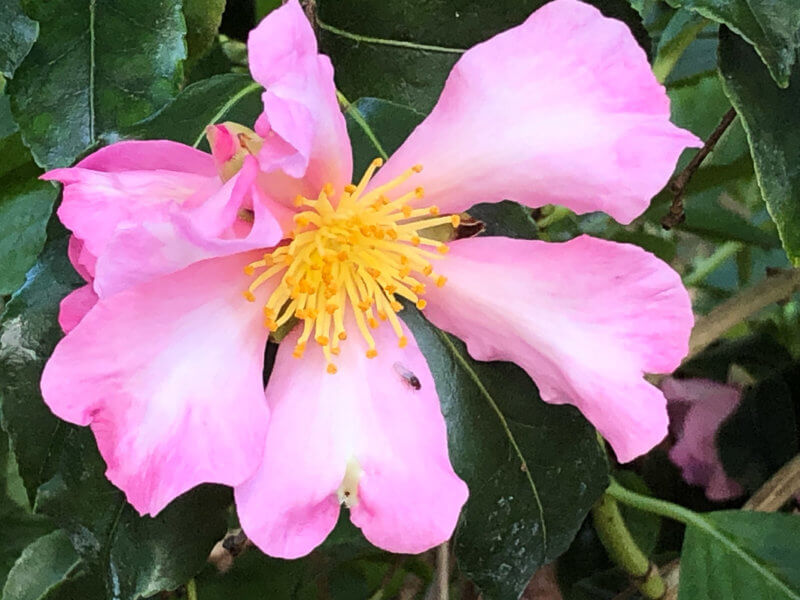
[
  {"x": 698, "y": 408},
  {"x": 192, "y": 259}
]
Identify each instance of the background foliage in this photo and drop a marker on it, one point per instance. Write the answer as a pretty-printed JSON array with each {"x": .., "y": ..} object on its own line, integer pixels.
[{"x": 77, "y": 74}]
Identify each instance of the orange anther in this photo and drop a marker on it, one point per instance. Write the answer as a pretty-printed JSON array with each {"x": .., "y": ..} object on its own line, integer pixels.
[
  {"x": 372, "y": 353},
  {"x": 331, "y": 368}
]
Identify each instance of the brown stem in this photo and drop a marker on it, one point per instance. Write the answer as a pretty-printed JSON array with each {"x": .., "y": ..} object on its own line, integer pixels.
[
  {"x": 678, "y": 185},
  {"x": 774, "y": 288}
]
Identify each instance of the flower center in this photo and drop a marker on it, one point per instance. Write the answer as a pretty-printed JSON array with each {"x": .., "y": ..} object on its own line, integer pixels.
[{"x": 364, "y": 252}]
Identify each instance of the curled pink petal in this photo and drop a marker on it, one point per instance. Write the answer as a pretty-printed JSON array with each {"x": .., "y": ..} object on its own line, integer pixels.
[
  {"x": 371, "y": 436},
  {"x": 302, "y": 125},
  {"x": 562, "y": 109},
  {"x": 169, "y": 376},
  {"x": 585, "y": 319},
  {"x": 698, "y": 408},
  {"x": 75, "y": 306}
]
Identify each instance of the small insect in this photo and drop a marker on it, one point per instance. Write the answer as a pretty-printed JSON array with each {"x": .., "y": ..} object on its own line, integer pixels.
[{"x": 409, "y": 377}]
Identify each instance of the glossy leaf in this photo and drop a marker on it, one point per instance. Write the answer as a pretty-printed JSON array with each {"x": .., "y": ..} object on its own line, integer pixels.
[
  {"x": 97, "y": 66},
  {"x": 533, "y": 470},
  {"x": 741, "y": 555},
  {"x": 43, "y": 567},
  {"x": 770, "y": 26},
  {"x": 17, "y": 35},
  {"x": 131, "y": 556},
  {"x": 228, "y": 97},
  {"x": 403, "y": 53},
  {"x": 771, "y": 121},
  {"x": 202, "y": 22}
]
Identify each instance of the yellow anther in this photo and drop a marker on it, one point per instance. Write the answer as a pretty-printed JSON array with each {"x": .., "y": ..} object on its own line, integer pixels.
[
  {"x": 350, "y": 261},
  {"x": 441, "y": 280},
  {"x": 249, "y": 296},
  {"x": 442, "y": 249},
  {"x": 455, "y": 220},
  {"x": 421, "y": 303}
]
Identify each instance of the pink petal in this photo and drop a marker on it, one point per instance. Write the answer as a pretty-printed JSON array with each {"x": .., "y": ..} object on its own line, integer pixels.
[
  {"x": 562, "y": 109},
  {"x": 169, "y": 375},
  {"x": 367, "y": 421},
  {"x": 81, "y": 259},
  {"x": 75, "y": 306},
  {"x": 302, "y": 125},
  {"x": 705, "y": 405},
  {"x": 585, "y": 319}
]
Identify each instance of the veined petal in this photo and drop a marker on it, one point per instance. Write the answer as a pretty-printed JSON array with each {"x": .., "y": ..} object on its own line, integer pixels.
[
  {"x": 585, "y": 319},
  {"x": 372, "y": 436},
  {"x": 302, "y": 125},
  {"x": 562, "y": 109},
  {"x": 74, "y": 307},
  {"x": 169, "y": 376}
]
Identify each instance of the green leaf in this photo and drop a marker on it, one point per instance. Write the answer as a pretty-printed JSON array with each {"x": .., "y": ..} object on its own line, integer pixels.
[
  {"x": 123, "y": 553},
  {"x": 25, "y": 206},
  {"x": 770, "y": 26},
  {"x": 19, "y": 528},
  {"x": 202, "y": 23},
  {"x": 227, "y": 97},
  {"x": 762, "y": 435},
  {"x": 533, "y": 470},
  {"x": 98, "y": 65},
  {"x": 404, "y": 54},
  {"x": 771, "y": 120},
  {"x": 43, "y": 567},
  {"x": 741, "y": 556},
  {"x": 17, "y": 35}
]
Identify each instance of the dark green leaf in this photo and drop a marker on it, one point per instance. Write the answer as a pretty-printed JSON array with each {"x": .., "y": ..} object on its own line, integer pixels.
[
  {"x": 533, "y": 470},
  {"x": 762, "y": 435},
  {"x": 366, "y": 116},
  {"x": 17, "y": 35},
  {"x": 130, "y": 555},
  {"x": 25, "y": 206},
  {"x": 228, "y": 97},
  {"x": 771, "y": 121},
  {"x": 97, "y": 66},
  {"x": 42, "y": 568},
  {"x": 369, "y": 60},
  {"x": 202, "y": 22},
  {"x": 18, "y": 528},
  {"x": 770, "y": 26},
  {"x": 741, "y": 556}
]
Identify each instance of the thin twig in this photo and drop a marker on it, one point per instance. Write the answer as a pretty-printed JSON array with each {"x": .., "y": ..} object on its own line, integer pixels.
[
  {"x": 443, "y": 571},
  {"x": 773, "y": 288},
  {"x": 675, "y": 215},
  {"x": 778, "y": 490}
]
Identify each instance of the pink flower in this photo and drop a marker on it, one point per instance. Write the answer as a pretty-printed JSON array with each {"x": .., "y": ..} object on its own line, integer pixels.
[
  {"x": 166, "y": 367},
  {"x": 698, "y": 408}
]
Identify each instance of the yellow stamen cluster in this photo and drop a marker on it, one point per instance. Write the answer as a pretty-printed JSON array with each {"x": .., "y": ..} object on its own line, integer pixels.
[{"x": 365, "y": 251}]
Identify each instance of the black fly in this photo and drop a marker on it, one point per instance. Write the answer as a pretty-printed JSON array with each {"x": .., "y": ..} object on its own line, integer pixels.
[{"x": 409, "y": 377}]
